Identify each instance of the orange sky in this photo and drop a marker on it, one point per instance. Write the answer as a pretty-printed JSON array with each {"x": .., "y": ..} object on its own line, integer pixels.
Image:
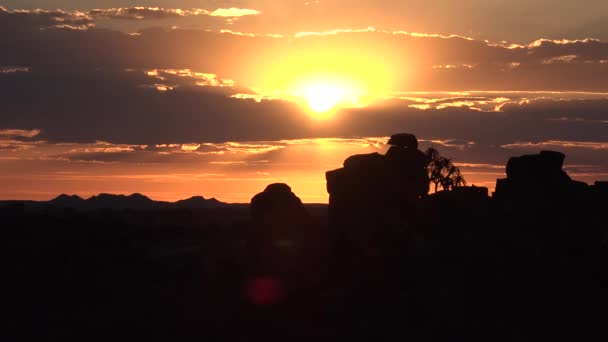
[{"x": 216, "y": 98}]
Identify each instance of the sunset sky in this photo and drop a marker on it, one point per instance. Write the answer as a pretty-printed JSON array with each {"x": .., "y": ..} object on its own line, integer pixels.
[{"x": 220, "y": 98}]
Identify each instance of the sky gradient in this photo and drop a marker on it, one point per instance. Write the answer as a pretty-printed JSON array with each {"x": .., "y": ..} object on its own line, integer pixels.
[{"x": 219, "y": 98}]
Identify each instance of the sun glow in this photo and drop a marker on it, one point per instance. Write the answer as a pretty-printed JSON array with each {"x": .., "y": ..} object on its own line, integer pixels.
[
  {"x": 326, "y": 78},
  {"x": 325, "y": 95},
  {"x": 322, "y": 98}
]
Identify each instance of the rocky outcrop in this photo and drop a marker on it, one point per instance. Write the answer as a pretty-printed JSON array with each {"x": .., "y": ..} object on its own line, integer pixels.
[
  {"x": 370, "y": 197},
  {"x": 404, "y": 140},
  {"x": 286, "y": 245},
  {"x": 538, "y": 177},
  {"x": 600, "y": 193},
  {"x": 276, "y": 205},
  {"x": 374, "y": 180},
  {"x": 545, "y": 167}
]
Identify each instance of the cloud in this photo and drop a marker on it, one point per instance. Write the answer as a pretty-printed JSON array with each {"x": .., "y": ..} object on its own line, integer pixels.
[
  {"x": 234, "y": 12},
  {"x": 87, "y": 105},
  {"x": 489, "y": 103},
  {"x": 37, "y": 19},
  {"x": 140, "y": 13},
  {"x": 13, "y": 69},
  {"x": 15, "y": 145},
  {"x": 20, "y": 133},
  {"x": 27, "y": 20},
  {"x": 560, "y": 59},
  {"x": 144, "y": 13},
  {"x": 460, "y": 144},
  {"x": 593, "y": 145},
  {"x": 376, "y": 142},
  {"x": 584, "y": 49},
  {"x": 173, "y": 78},
  {"x": 441, "y": 62},
  {"x": 243, "y": 147},
  {"x": 332, "y": 32},
  {"x": 448, "y": 66}
]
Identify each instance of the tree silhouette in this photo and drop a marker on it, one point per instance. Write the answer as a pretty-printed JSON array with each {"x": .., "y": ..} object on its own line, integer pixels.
[{"x": 443, "y": 172}]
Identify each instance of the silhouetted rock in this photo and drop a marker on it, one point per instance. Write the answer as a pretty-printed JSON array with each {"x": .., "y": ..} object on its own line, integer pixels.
[
  {"x": 371, "y": 198},
  {"x": 465, "y": 193},
  {"x": 600, "y": 192},
  {"x": 453, "y": 214},
  {"x": 547, "y": 165},
  {"x": 336, "y": 180},
  {"x": 374, "y": 180},
  {"x": 286, "y": 245},
  {"x": 601, "y": 187},
  {"x": 277, "y": 202},
  {"x": 405, "y": 140},
  {"x": 408, "y": 170},
  {"x": 538, "y": 176}
]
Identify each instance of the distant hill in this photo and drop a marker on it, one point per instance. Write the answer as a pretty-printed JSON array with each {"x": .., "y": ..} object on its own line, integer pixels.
[
  {"x": 198, "y": 202},
  {"x": 110, "y": 201},
  {"x": 135, "y": 201},
  {"x": 67, "y": 201}
]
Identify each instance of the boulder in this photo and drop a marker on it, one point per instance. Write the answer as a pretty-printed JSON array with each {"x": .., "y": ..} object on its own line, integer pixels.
[
  {"x": 335, "y": 180},
  {"x": 287, "y": 248},
  {"x": 470, "y": 192},
  {"x": 534, "y": 167},
  {"x": 404, "y": 140},
  {"x": 407, "y": 170},
  {"x": 375, "y": 180},
  {"x": 599, "y": 192},
  {"x": 538, "y": 178},
  {"x": 552, "y": 159},
  {"x": 601, "y": 186},
  {"x": 360, "y": 162},
  {"x": 276, "y": 201}
]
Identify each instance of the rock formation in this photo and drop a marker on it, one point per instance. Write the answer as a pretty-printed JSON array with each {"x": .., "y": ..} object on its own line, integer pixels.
[
  {"x": 375, "y": 180},
  {"x": 370, "y": 197},
  {"x": 538, "y": 177},
  {"x": 277, "y": 205},
  {"x": 286, "y": 245}
]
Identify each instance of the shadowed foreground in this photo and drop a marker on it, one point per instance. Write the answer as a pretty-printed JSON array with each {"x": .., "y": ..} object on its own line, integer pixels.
[{"x": 384, "y": 261}]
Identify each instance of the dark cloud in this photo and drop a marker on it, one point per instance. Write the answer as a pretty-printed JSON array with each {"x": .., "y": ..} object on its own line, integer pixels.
[
  {"x": 584, "y": 49},
  {"x": 423, "y": 62},
  {"x": 32, "y": 20},
  {"x": 13, "y": 69},
  {"x": 19, "y": 133},
  {"x": 126, "y": 107}
]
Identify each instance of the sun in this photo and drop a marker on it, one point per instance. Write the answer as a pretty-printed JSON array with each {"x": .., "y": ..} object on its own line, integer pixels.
[
  {"x": 322, "y": 98},
  {"x": 326, "y": 95}
]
